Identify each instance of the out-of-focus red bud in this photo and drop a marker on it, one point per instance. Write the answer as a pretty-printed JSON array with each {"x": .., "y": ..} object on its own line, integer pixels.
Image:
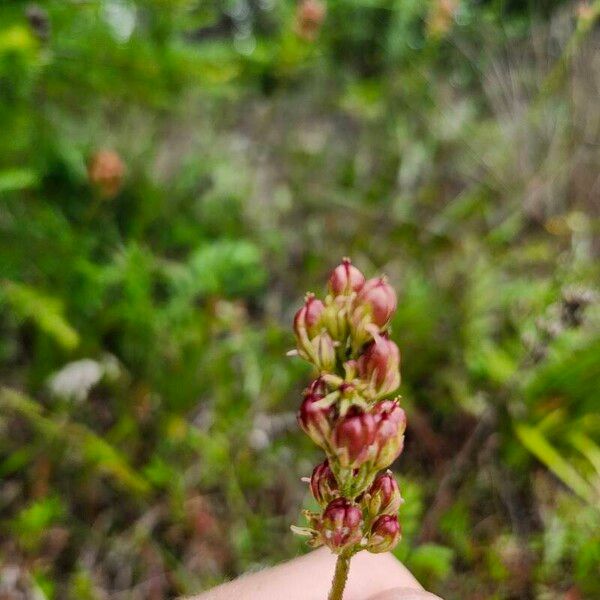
[
  {"x": 345, "y": 279},
  {"x": 306, "y": 321},
  {"x": 309, "y": 17},
  {"x": 341, "y": 524},
  {"x": 390, "y": 424},
  {"x": 379, "y": 298},
  {"x": 380, "y": 366},
  {"x": 441, "y": 16},
  {"x": 323, "y": 484},
  {"x": 352, "y": 437},
  {"x": 315, "y": 421},
  {"x": 384, "y": 495},
  {"x": 105, "y": 172},
  {"x": 385, "y": 534}
]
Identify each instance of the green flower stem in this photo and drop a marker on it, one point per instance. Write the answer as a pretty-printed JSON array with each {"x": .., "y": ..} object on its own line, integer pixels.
[{"x": 342, "y": 566}]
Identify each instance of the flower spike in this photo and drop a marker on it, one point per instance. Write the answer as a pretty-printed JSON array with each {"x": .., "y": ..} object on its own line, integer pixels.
[{"x": 346, "y": 339}]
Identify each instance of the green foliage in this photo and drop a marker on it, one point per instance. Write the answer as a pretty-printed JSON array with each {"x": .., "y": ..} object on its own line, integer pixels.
[
  {"x": 147, "y": 432},
  {"x": 32, "y": 521},
  {"x": 44, "y": 311},
  {"x": 537, "y": 444},
  {"x": 227, "y": 268},
  {"x": 431, "y": 562}
]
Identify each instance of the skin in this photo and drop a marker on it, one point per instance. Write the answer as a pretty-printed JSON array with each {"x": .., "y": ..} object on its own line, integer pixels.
[{"x": 308, "y": 577}]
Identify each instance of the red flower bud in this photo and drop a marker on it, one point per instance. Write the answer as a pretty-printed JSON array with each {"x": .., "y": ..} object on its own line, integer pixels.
[
  {"x": 341, "y": 524},
  {"x": 385, "y": 534},
  {"x": 105, "y": 172},
  {"x": 307, "y": 324},
  {"x": 306, "y": 321},
  {"x": 380, "y": 366},
  {"x": 352, "y": 437},
  {"x": 390, "y": 424},
  {"x": 378, "y": 296},
  {"x": 384, "y": 495},
  {"x": 323, "y": 484},
  {"x": 315, "y": 421},
  {"x": 345, "y": 279},
  {"x": 309, "y": 17}
]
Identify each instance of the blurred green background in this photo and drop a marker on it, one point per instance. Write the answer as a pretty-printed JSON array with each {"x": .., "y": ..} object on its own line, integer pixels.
[{"x": 175, "y": 174}]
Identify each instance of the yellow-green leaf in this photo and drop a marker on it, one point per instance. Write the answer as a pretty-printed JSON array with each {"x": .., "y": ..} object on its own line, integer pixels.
[{"x": 539, "y": 446}]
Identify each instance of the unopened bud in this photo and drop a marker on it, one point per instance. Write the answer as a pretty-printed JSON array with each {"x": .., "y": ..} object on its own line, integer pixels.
[
  {"x": 383, "y": 497},
  {"x": 105, "y": 172},
  {"x": 385, "y": 534},
  {"x": 345, "y": 279},
  {"x": 379, "y": 365},
  {"x": 335, "y": 318},
  {"x": 441, "y": 16},
  {"x": 390, "y": 424},
  {"x": 315, "y": 421},
  {"x": 306, "y": 321},
  {"x": 307, "y": 324},
  {"x": 323, "y": 484},
  {"x": 309, "y": 17},
  {"x": 341, "y": 524},
  {"x": 378, "y": 298},
  {"x": 353, "y": 436},
  {"x": 323, "y": 352}
]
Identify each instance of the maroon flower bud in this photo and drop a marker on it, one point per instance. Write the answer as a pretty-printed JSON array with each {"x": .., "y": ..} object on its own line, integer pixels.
[
  {"x": 379, "y": 365},
  {"x": 306, "y": 321},
  {"x": 383, "y": 497},
  {"x": 315, "y": 421},
  {"x": 390, "y": 424},
  {"x": 323, "y": 484},
  {"x": 385, "y": 534},
  {"x": 345, "y": 279},
  {"x": 352, "y": 437},
  {"x": 341, "y": 524},
  {"x": 378, "y": 296},
  {"x": 307, "y": 324}
]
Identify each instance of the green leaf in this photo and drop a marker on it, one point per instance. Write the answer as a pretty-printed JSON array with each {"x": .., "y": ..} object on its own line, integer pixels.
[
  {"x": 31, "y": 522},
  {"x": 539, "y": 446},
  {"x": 587, "y": 447},
  {"x": 96, "y": 452},
  {"x": 16, "y": 460},
  {"x": 45, "y": 311},
  {"x": 13, "y": 180}
]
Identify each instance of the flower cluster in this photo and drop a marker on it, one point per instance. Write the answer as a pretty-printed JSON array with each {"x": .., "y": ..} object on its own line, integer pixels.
[{"x": 346, "y": 412}]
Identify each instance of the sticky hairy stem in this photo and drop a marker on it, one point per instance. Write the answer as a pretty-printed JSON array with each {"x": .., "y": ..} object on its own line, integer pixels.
[{"x": 342, "y": 566}]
